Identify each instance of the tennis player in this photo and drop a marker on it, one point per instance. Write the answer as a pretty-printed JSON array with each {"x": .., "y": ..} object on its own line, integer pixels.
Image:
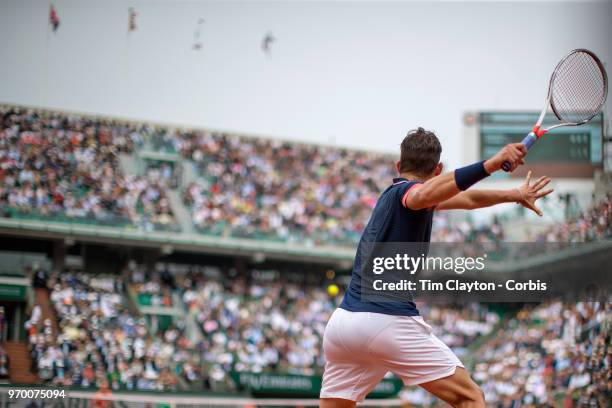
[{"x": 365, "y": 340}]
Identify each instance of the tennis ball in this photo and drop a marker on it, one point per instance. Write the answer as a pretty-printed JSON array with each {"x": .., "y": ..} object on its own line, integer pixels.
[{"x": 333, "y": 289}]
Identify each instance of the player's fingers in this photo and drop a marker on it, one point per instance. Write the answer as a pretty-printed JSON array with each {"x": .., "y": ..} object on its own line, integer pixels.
[
  {"x": 533, "y": 208},
  {"x": 522, "y": 150},
  {"x": 513, "y": 156},
  {"x": 542, "y": 182},
  {"x": 510, "y": 148},
  {"x": 528, "y": 178},
  {"x": 513, "y": 152},
  {"x": 537, "y": 182},
  {"x": 519, "y": 152},
  {"x": 541, "y": 194},
  {"x": 518, "y": 161},
  {"x": 537, "y": 211}
]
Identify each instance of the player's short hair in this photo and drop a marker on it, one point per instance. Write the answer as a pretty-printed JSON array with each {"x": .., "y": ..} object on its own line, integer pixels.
[{"x": 420, "y": 152}]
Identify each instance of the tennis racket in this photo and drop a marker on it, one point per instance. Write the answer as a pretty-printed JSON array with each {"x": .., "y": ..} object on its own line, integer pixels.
[{"x": 577, "y": 91}]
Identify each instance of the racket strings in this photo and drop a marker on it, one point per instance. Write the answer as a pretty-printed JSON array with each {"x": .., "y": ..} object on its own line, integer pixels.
[
  {"x": 579, "y": 88},
  {"x": 592, "y": 91},
  {"x": 578, "y": 101}
]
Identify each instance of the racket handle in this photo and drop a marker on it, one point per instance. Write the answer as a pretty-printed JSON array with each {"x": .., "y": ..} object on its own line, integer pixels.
[{"x": 528, "y": 141}]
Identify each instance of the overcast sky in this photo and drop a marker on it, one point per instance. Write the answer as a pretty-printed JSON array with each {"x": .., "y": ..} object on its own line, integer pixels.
[{"x": 349, "y": 73}]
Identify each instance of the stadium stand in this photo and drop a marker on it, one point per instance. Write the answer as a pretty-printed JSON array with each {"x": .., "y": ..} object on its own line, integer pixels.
[
  {"x": 100, "y": 338},
  {"x": 155, "y": 327},
  {"x": 256, "y": 323},
  {"x": 259, "y": 324},
  {"x": 254, "y": 181},
  {"x": 65, "y": 167},
  {"x": 592, "y": 225},
  {"x": 253, "y": 323},
  {"x": 264, "y": 188},
  {"x": 553, "y": 351}
]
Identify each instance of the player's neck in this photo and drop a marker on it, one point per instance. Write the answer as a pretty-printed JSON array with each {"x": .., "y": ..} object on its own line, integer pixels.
[{"x": 413, "y": 176}]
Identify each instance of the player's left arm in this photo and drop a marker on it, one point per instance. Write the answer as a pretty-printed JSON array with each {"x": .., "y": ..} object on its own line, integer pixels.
[{"x": 526, "y": 195}]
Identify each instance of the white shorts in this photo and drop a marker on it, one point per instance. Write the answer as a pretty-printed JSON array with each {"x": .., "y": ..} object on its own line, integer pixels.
[{"x": 361, "y": 347}]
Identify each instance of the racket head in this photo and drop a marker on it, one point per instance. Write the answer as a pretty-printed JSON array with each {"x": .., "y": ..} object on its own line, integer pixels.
[{"x": 578, "y": 87}]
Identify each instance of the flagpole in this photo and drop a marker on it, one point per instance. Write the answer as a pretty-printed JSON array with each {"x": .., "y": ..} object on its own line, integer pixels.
[
  {"x": 45, "y": 79},
  {"x": 126, "y": 54}
]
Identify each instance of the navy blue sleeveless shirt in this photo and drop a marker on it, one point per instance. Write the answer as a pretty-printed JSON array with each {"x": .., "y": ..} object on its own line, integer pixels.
[{"x": 390, "y": 222}]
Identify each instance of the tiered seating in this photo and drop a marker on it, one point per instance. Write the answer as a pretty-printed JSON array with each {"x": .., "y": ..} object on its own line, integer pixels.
[
  {"x": 99, "y": 339},
  {"x": 267, "y": 321},
  {"x": 66, "y": 168},
  {"x": 592, "y": 225},
  {"x": 278, "y": 190},
  {"x": 556, "y": 350}
]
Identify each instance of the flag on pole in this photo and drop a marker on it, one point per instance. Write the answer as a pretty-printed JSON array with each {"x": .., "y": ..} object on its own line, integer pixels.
[
  {"x": 53, "y": 18},
  {"x": 267, "y": 41},
  {"x": 132, "y": 19},
  {"x": 197, "y": 43}
]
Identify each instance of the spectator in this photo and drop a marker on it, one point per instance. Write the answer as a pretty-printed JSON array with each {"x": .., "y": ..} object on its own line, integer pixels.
[{"x": 39, "y": 277}]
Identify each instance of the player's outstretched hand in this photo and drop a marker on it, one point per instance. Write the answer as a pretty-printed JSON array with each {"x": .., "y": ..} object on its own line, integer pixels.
[
  {"x": 529, "y": 193},
  {"x": 513, "y": 153}
]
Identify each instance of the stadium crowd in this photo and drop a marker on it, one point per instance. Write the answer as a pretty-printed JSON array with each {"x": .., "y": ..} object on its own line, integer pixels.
[
  {"x": 260, "y": 188},
  {"x": 62, "y": 166},
  {"x": 65, "y": 166},
  {"x": 459, "y": 326},
  {"x": 167, "y": 174},
  {"x": 259, "y": 321},
  {"x": 263, "y": 321},
  {"x": 287, "y": 191},
  {"x": 264, "y": 188},
  {"x": 99, "y": 340},
  {"x": 253, "y": 322},
  {"x": 258, "y": 326},
  {"x": 153, "y": 287},
  {"x": 553, "y": 351},
  {"x": 591, "y": 225},
  {"x": 56, "y": 165}
]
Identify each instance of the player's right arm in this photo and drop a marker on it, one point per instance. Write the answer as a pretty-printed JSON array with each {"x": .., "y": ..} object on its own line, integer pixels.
[{"x": 440, "y": 188}]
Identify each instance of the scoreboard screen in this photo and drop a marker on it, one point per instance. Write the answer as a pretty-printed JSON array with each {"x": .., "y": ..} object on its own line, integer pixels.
[{"x": 571, "y": 145}]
